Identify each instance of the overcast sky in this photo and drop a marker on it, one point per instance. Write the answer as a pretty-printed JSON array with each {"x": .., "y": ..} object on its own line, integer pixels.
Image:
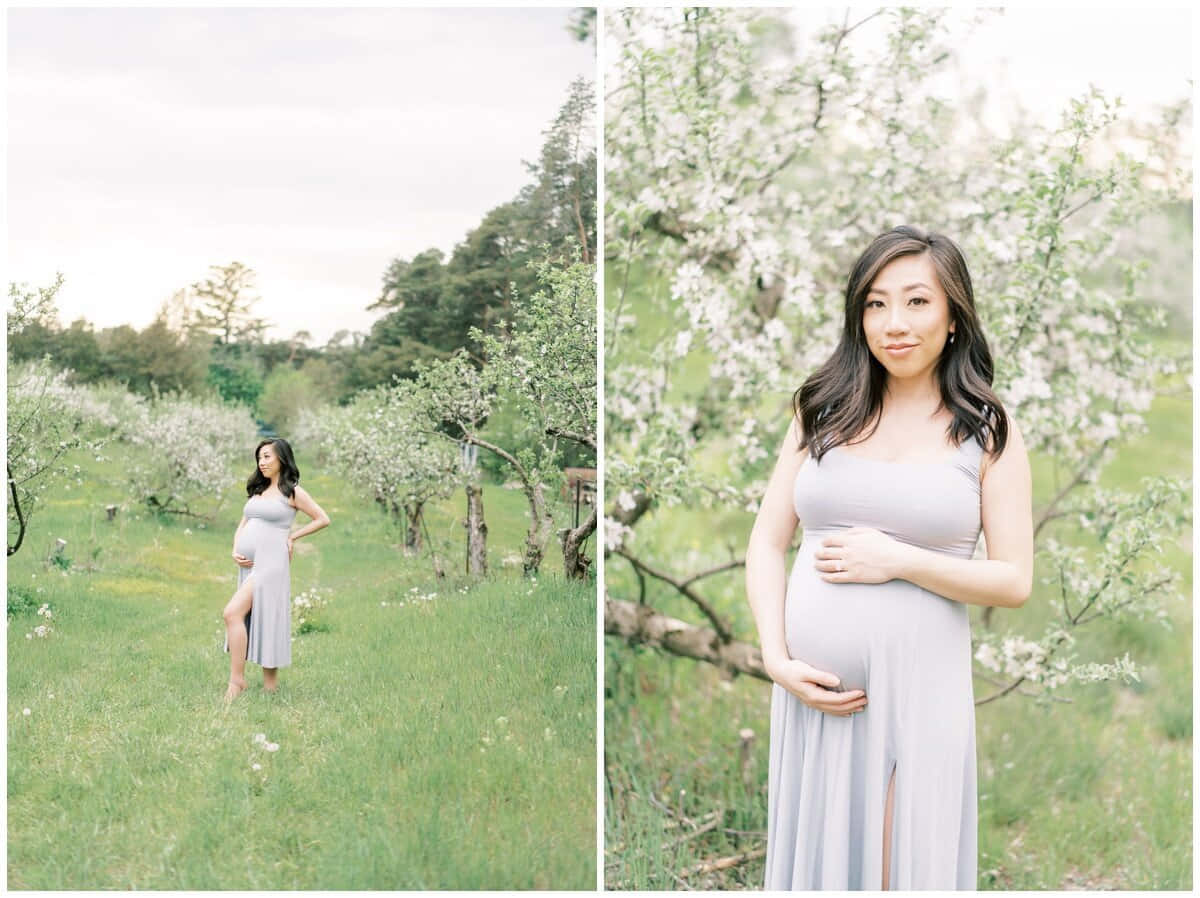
[{"x": 314, "y": 145}]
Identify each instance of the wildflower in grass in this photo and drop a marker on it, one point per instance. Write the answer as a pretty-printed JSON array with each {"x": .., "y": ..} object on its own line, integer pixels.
[
  {"x": 42, "y": 631},
  {"x": 26, "y": 712},
  {"x": 272, "y": 746},
  {"x": 256, "y": 766},
  {"x": 560, "y": 690},
  {"x": 44, "y": 611},
  {"x": 29, "y": 636},
  {"x": 502, "y": 721},
  {"x": 260, "y": 738},
  {"x": 547, "y": 734}
]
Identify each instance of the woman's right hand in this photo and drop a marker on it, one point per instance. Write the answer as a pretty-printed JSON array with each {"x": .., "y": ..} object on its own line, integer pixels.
[
  {"x": 809, "y": 685},
  {"x": 242, "y": 560}
]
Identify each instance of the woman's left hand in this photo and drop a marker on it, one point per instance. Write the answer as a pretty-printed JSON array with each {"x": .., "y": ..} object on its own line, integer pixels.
[
  {"x": 291, "y": 541},
  {"x": 859, "y": 555}
]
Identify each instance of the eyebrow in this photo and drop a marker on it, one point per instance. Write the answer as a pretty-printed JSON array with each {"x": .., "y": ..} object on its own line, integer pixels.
[{"x": 905, "y": 287}]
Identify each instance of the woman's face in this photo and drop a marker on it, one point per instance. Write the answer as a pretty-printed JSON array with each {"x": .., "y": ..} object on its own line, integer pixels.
[
  {"x": 906, "y": 317},
  {"x": 268, "y": 463}
]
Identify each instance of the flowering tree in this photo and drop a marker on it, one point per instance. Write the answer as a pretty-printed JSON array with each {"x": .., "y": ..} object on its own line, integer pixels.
[
  {"x": 549, "y": 364},
  {"x": 41, "y": 425},
  {"x": 190, "y": 451},
  {"x": 747, "y": 177},
  {"x": 386, "y": 452},
  {"x": 458, "y": 399}
]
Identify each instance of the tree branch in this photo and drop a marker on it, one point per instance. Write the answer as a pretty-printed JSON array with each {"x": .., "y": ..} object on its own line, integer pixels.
[
  {"x": 642, "y": 624},
  {"x": 581, "y": 438},
  {"x": 700, "y": 602}
]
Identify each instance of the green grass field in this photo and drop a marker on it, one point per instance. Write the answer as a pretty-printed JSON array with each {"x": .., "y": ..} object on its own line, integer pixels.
[
  {"x": 1091, "y": 794},
  {"x": 446, "y": 742}
]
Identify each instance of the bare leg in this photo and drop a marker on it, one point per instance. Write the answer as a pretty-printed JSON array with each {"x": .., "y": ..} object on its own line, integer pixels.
[
  {"x": 235, "y": 630},
  {"x": 271, "y": 679},
  {"x": 887, "y": 830}
]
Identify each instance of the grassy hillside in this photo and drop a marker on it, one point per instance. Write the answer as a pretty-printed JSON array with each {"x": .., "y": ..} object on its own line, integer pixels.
[{"x": 431, "y": 734}]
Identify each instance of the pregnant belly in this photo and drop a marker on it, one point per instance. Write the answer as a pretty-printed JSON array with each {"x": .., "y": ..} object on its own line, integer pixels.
[
  {"x": 848, "y": 629},
  {"x": 245, "y": 545}
]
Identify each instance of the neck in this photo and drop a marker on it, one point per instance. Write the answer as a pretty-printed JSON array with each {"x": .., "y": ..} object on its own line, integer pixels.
[{"x": 919, "y": 391}]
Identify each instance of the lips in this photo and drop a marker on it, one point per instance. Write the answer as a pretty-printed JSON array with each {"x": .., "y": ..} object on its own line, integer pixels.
[{"x": 899, "y": 349}]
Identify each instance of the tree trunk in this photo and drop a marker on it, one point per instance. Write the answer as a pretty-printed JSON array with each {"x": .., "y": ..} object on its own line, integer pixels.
[
  {"x": 575, "y": 563},
  {"x": 16, "y": 508},
  {"x": 476, "y": 532},
  {"x": 412, "y": 530},
  {"x": 641, "y": 623},
  {"x": 539, "y": 528}
]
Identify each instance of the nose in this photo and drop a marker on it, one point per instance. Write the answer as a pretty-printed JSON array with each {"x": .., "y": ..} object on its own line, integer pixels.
[{"x": 897, "y": 323}]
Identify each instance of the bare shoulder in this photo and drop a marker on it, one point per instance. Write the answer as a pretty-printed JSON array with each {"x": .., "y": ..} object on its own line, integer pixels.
[
  {"x": 1014, "y": 452},
  {"x": 794, "y": 439},
  {"x": 300, "y": 495}
]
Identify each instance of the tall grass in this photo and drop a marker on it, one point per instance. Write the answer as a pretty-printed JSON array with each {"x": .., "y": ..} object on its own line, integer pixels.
[{"x": 431, "y": 734}]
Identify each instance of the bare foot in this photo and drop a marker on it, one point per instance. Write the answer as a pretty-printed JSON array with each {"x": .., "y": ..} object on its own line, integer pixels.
[{"x": 235, "y": 687}]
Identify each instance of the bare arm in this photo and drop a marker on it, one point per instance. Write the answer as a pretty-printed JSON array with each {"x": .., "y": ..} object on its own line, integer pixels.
[
  {"x": 305, "y": 503},
  {"x": 766, "y": 555}
]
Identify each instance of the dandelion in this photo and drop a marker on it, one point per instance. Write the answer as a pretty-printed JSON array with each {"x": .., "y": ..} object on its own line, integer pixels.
[{"x": 26, "y": 712}]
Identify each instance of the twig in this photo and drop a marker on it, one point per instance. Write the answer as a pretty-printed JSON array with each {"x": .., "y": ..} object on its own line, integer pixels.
[
  {"x": 1003, "y": 692},
  {"x": 723, "y": 863}
]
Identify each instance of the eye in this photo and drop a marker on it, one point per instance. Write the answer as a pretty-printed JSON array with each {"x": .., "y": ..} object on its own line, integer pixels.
[
  {"x": 872, "y": 303},
  {"x": 919, "y": 299}
]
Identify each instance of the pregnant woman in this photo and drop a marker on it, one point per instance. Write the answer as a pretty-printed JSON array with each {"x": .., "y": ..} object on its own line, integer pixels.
[
  {"x": 898, "y": 455},
  {"x": 258, "y": 619}
]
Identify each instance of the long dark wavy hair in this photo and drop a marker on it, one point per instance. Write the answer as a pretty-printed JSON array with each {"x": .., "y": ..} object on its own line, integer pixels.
[
  {"x": 841, "y": 397},
  {"x": 289, "y": 474}
]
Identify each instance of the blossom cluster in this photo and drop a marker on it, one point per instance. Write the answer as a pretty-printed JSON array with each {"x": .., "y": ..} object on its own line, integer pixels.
[{"x": 190, "y": 448}]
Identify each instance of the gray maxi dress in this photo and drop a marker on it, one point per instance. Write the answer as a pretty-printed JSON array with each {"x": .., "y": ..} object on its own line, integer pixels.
[
  {"x": 910, "y": 649},
  {"x": 264, "y": 541}
]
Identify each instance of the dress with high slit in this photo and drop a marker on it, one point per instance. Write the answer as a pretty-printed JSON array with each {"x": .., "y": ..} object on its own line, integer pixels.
[
  {"x": 910, "y": 650},
  {"x": 264, "y": 541}
]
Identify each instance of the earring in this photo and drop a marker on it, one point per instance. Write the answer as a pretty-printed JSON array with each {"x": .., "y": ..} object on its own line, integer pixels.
[{"x": 952, "y": 337}]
